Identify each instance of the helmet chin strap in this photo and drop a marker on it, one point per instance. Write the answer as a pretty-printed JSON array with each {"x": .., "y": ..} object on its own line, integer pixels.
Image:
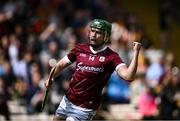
[{"x": 105, "y": 37}]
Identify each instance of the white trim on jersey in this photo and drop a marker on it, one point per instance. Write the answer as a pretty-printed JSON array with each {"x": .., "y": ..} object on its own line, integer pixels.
[
  {"x": 121, "y": 64},
  {"x": 67, "y": 59},
  {"x": 100, "y": 50}
]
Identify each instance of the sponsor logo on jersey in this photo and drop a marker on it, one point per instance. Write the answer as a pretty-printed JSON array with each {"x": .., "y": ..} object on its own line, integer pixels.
[{"x": 93, "y": 69}]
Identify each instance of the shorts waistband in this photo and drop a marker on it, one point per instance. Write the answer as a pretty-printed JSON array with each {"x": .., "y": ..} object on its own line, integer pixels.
[{"x": 77, "y": 107}]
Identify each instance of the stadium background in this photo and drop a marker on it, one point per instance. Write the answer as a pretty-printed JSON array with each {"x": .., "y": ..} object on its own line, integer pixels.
[{"x": 30, "y": 31}]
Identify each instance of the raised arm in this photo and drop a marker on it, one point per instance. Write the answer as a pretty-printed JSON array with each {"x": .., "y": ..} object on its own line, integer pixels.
[
  {"x": 63, "y": 63},
  {"x": 128, "y": 73}
]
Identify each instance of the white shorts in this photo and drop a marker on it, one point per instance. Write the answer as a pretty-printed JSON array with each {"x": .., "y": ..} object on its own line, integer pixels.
[{"x": 68, "y": 110}]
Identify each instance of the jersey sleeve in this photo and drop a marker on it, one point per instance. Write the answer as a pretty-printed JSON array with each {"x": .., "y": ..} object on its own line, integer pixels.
[
  {"x": 72, "y": 55},
  {"x": 117, "y": 61}
]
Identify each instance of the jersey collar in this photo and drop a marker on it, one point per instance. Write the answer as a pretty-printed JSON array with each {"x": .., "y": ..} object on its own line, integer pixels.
[{"x": 97, "y": 51}]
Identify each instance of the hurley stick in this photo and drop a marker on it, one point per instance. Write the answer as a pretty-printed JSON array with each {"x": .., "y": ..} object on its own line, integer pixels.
[{"x": 47, "y": 90}]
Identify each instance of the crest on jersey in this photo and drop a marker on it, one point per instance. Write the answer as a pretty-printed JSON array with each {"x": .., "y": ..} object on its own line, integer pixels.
[{"x": 102, "y": 59}]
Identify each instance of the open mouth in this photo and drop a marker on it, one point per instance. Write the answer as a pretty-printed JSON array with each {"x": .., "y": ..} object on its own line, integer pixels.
[{"x": 92, "y": 39}]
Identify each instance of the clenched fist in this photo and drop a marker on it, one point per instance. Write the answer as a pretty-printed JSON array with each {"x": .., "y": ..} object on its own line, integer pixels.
[
  {"x": 48, "y": 83},
  {"x": 136, "y": 46}
]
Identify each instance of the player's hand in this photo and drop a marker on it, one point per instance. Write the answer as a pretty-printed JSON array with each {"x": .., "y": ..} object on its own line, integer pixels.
[
  {"x": 136, "y": 46},
  {"x": 48, "y": 83}
]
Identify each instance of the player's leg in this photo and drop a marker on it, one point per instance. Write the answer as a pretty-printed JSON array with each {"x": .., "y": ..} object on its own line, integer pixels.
[
  {"x": 70, "y": 112},
  {"x": 77, "y": 113},
  {"x": 59, "y": 118},
  {"x": 61, "y": 112}
]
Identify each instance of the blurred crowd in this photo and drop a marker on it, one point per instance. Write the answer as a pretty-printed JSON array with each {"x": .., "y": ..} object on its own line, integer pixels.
[{"x": 35, "y": 34}]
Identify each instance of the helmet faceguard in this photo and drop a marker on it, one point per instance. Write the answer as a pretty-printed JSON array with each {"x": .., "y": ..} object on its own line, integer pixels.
[{"x": 103, "y": 25}]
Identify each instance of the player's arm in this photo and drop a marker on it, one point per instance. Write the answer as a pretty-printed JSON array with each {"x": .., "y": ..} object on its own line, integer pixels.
[
  {"x": 63, "y": 63},
  {"x": 128, "y": 73}
]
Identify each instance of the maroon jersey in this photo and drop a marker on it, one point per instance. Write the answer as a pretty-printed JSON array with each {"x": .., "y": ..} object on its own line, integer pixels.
[{"x": 92, "y": 72}]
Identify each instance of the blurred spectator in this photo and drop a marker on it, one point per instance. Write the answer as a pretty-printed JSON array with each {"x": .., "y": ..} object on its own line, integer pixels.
[
  {"x": 34, "y": 95},
  {"x": 156, "y": 65},
  {"x": 21, "y": 67},
  {"x": 4, "y": 110},
  {"x": 119, "y": 41},
  {"x": 169, "y": 106},
  {"x": 117, "y": 90},
  {"x": 146, "y": 104},
  {"x": 137, "y": 87},
  {"x": 20, "y": 90},
  {"x": 169, "y": 61},
  {"x": 4, "y": 45},
  {"x": 9, "y": 79},
  {"x": 165, "y": 22}
]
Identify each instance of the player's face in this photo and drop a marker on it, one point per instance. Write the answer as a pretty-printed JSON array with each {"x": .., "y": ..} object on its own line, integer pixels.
[{"x": 96, "y": 37}]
